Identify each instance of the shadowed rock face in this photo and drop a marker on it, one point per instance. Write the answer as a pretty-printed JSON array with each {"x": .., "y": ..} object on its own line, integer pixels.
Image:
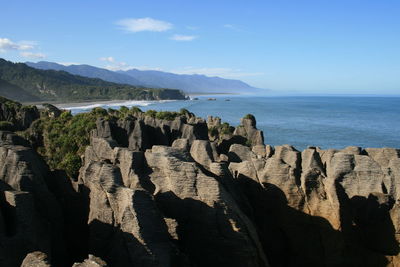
[{"x": 159, "y": 193}]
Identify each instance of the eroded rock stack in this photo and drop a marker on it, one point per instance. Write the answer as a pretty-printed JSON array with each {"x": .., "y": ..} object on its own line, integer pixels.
[{"x": 154, "y": 192}]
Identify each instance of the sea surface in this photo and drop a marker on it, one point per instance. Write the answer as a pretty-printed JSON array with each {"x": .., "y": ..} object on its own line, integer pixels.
[{"x": 327, "y": 122}]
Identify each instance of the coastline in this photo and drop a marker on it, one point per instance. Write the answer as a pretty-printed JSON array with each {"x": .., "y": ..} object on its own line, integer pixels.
[
  {"x": 122, "y": 102},
  {"x": 110, "y": 103}
]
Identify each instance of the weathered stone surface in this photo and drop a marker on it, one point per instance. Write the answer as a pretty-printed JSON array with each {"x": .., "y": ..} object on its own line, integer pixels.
[
  {"x": 247, "y": 129},
  {"x": 181, "y": 144},
  {"x": 125, "y": 226},
  {"x": 92, "y": 261},
  {"x": 143, "y": 132},
  {"x": 36, "y": 259},
  {"x": 203, "y": 152},
  {"x": 259, "y": 150},
  {"x": 158, "y": 193},
  {"x": 213, "y": 121},
  {"x": 37, "y": 222},
  {"x": 238, "y": 153},
  {"x": 198, "y": 201}
]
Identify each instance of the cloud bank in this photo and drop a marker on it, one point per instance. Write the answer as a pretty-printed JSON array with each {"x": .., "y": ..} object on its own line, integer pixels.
[
  {"x": 6, "y": 45},
  {"x": 108, "y": 59},
  {"x": 32, "y": 55},
  {"x": 184, "y": 38},
  {"x": 144, "y": 24}
]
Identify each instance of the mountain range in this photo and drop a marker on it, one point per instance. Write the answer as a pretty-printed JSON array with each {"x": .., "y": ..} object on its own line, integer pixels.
[
  {"x": 193, "y": 83},
  {"x": 23, "y": 83}
]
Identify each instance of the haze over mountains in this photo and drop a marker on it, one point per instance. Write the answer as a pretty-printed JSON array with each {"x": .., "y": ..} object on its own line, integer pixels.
[{"x": 188, "y": 83}]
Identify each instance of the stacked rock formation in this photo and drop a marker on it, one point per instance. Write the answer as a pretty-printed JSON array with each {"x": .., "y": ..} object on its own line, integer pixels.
[{"x": 159, "y": 193}]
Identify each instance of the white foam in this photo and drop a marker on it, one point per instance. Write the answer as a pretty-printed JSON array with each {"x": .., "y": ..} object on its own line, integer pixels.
[{"x": 128, "y": 103}]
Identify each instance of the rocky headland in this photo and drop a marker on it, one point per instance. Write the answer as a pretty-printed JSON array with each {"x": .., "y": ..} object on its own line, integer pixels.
[{"x": 171, "y": 189}]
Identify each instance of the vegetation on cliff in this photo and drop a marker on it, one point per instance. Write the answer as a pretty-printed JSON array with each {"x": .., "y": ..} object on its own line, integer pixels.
[{"x": 62, "y": 139}]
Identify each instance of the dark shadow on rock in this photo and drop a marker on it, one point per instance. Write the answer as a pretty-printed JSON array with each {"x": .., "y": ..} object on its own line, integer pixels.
[
  {"x": 75, "y": 207},
  {"x": 293, "y": 238},
  {"x": 205, "y": 233},
  {"x": 373, "y": 225},
  {"x": 119, "y": 248},
  {"x": 7, "y": 211},
  {"x": 223, "y": 147}
]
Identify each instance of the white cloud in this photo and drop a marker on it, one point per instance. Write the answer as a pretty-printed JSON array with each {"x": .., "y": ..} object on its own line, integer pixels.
[
  {"x": 221, "y": 72},
  {"x": 108, "y": 59},
  {"x": 6, "y": 44},
  {"x": 147, "y": 68},
  {"x": 32, "y": 55},
  {"x": 68, "y": 63},
  {"x": 144, "y": 24},
  {"x": 118, "y": 66},
  {"x": 124, "y": 66},
  {"x": 231, "y": 27},
  {"x": 178, "y": 37}
]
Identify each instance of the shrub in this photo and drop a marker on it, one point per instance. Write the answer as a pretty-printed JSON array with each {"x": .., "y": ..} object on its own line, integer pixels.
[
  {"x": 6, "y": 126},
  {"x": 151, "y": 113},
  {"x": 64, "y": 138},
  {"x": 99, "y": 111},
  {"x": 213, "y": 131},
  {"x": 124, "y": 109},
  {"x": 166, "y": 115},
  {"x": 71, "y": 164},
  {"x": 135, "y": 110},
  {"x": 226, "y": 128},
  {"x": 66, "y": 115}
]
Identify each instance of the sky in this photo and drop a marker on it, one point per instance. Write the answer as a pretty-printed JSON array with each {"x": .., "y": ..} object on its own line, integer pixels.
[{"x": 305, "y": 46}]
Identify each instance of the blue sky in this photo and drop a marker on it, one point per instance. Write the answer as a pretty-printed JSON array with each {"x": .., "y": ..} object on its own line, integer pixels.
[{"x": 290, "y": 45}]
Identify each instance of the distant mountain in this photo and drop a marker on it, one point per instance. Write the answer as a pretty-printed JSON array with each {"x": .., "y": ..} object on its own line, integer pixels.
[
  {"x": 87, "y": 71},
  {"x": 188, "y": 83},
  {"x": 21, "y": 82}
]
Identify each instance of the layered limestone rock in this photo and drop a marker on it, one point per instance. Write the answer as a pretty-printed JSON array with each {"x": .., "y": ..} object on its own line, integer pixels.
[
  {"x": 125, "y": 227},
  {"x": 155, "y": 193},
  {"x": 32, "y": 217},
  {"x": 209, "y": 220},
  {"x": 247, "y": 128},
  {"x": 142, "y": 132},
  {"x": 338, "y": 200}
]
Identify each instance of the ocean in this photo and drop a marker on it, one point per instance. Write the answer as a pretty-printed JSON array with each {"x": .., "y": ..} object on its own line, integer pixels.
[{"x": 301, "y": 121}]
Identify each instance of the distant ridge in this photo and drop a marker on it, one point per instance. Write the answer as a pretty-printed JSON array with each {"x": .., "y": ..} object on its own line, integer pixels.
[
  {"x": 87, "y": 71},
  {"x": 190, "y": 83},
  {"x": 193, "y": 83},
  {"x": 23, "y": 83}
]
